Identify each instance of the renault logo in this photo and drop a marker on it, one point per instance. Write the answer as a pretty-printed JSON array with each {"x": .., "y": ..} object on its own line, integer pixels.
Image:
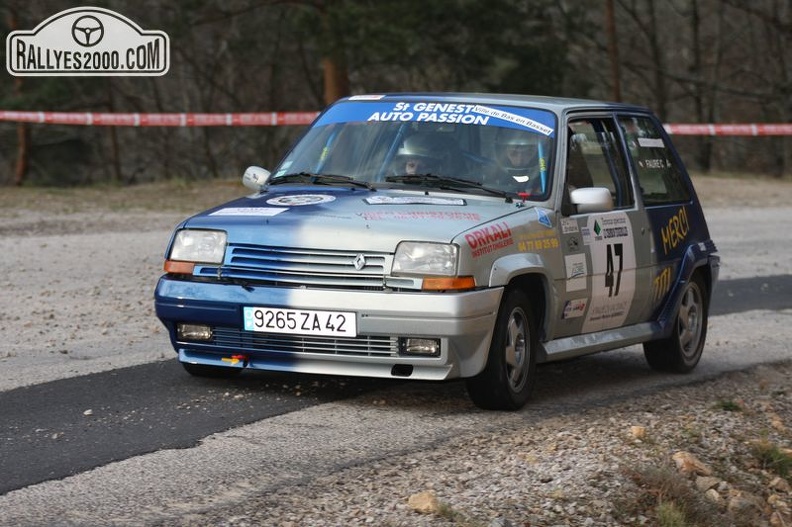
[{"x": 359, "y": 262}]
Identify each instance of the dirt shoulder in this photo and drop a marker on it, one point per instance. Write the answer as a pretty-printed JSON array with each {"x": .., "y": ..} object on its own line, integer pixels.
[{"x": 749, "y": 191}]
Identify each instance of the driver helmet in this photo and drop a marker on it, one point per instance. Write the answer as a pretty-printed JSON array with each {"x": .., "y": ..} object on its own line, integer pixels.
[
  {"x": 421, "y": 154},
  {"x": 517, "y": 149}
]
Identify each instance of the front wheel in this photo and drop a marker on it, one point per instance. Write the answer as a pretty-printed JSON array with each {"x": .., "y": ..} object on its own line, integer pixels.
[
  {"x": 508, "y": 377},
  {"x": 681, "y": 351}
]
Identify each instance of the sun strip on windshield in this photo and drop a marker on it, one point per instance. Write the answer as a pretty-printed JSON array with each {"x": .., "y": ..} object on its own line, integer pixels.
[{"x": 442, "y": 112}]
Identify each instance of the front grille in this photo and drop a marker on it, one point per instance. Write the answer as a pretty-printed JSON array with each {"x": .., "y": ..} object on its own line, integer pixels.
[
  {"x": 286, "y": 266},
  {"x": 366, "y": 346}
]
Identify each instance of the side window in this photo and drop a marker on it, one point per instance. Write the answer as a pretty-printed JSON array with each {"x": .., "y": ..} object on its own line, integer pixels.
[
  {"x": 594, "y": 159},
  {"x": 659, "y": 177}
]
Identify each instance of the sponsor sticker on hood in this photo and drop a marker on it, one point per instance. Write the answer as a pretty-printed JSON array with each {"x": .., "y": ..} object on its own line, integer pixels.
[
  {"x": 413, "y": 200},
  {"x": 298, "y": 200},
  {"x": 247, "y": 211}
]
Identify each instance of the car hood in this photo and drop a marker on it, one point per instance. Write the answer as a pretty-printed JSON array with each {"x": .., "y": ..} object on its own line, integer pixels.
[{"x": 355, "y": 219}]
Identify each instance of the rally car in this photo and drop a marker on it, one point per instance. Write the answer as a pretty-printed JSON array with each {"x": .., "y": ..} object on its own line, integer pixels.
[{"x": 437, "y": 236}]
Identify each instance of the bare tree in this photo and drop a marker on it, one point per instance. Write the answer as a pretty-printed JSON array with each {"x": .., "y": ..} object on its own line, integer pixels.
[
  {"x": 23, "y": 130},
  {"x": 613, "y": 49}
]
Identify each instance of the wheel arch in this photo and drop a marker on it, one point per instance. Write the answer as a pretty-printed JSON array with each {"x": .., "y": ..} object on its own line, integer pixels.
[
  {"x": 695, "y": 261},
  {"x": 528, "y": 272}
]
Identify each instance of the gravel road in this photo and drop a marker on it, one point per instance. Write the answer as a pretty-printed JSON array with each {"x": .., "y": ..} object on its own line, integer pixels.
[{"x": 79, "y": 271}]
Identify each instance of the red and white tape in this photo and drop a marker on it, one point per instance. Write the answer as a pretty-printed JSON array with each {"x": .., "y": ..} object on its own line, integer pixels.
[
  {"x": 306, "y": 118},
  {"x": 756, "y": 129},
  {"x": 162, "y": 119}
]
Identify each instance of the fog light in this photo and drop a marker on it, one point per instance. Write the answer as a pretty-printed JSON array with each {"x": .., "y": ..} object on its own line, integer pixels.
[
  {"x": 193, "y": 332},
  {"x": 419, "y": 346}
]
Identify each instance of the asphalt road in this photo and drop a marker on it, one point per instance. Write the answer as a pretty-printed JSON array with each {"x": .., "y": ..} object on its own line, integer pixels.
[{"x": 57, "y": 429}]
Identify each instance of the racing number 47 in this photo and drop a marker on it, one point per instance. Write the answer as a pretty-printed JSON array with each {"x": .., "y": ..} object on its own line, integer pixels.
[{"x": 612, "y": 281}]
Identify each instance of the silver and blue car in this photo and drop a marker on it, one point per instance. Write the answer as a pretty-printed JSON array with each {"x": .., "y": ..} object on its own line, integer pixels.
[{"x": 438, "y": 236}]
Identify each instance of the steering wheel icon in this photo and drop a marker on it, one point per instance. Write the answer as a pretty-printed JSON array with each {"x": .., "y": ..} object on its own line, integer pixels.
[{"x": 87, "y": 31}]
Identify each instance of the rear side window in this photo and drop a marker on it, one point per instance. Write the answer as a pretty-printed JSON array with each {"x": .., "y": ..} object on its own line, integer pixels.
[{"x": 659, "y": 177}]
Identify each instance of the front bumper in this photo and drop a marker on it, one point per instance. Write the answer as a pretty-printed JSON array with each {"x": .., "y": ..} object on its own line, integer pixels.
[{"x": 463, "y": 322}]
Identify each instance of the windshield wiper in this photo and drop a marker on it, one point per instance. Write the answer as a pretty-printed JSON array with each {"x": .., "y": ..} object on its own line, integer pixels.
[
  {"x": 320, "y": 179},
  {"x": 445, "y": 183}
]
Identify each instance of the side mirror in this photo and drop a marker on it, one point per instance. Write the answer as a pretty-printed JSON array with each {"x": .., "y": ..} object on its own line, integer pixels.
[
  {"x": 255, "y": 178},
  {"x": 591, "y": 199}
]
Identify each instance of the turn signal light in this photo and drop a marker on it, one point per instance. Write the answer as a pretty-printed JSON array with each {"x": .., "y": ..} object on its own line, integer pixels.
[
  {"x": 448, "y": 283},
  {"x": 174, "y": 267}
]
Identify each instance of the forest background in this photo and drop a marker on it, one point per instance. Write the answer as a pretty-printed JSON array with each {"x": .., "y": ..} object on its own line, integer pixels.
[{"x": 691, "y": 61}]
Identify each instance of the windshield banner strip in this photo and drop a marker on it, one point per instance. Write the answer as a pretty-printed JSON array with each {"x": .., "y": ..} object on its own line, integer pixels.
[{"x": 534, "y": 120}]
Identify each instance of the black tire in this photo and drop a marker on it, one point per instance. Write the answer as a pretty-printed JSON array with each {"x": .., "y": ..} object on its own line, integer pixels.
[
  {"x": 212, "y": 372},
  {"x": 681, "y": 351},
  {"x": 509, "y": 375}
]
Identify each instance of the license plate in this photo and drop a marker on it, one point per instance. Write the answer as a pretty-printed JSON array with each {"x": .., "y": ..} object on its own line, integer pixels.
[{"x": 300, "y": 321}]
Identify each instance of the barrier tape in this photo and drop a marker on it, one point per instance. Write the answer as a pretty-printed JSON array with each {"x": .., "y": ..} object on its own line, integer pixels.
[
  {"x": 162, "y": 119},
  {"x": 755, "y": 129},
  {"x": 306, "y": 118}
]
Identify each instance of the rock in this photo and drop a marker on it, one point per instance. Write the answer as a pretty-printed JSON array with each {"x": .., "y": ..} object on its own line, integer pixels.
[
  {"x": 744, "y": 501},
  {"x": 781, "y": 485},
  {"x": 424, "y": 502},
  {"x": 777, "y": 423},
  {"x": 713, "y": 496},
  {"x": 779, "y": 505},
  {"x": 705, "y": 483},
  {"x": 687, "y": 463},
  {"x": 777, "y": 520},
  {"x": 638, "y": 432}
]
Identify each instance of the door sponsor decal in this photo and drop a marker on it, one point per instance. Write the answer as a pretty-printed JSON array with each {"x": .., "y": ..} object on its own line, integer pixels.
[
  {"x": 613, "y": 264},
  {"x": 574, "y": 308},
  {"x": 576, "y": 272},
  {"x": 569, "y": 225}
]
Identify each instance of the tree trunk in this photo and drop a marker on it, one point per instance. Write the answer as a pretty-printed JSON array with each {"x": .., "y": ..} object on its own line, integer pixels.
[
  {"x": 699, "y": 90},
  {"x": 23, "y": 130},
  {"x": 336, "y": 79},
  {"x": 613, "y": 50},
  {"x": 334, "y": 64},
  {"x": 116, "y": 175},
  {"x": 658, "y": 57}
]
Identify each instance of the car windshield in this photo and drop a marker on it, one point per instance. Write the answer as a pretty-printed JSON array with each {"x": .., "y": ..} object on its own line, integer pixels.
[{"x": 460, "y": 146}]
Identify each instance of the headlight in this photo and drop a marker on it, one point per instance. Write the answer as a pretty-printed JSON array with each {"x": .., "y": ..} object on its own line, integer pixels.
[
  {"x": 199, "y": 246},
  {"x": 423, "y": 258}
]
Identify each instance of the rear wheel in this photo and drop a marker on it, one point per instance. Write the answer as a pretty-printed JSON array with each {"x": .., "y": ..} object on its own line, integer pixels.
[
  {"x": 508, "y": 377},
  {"x": 214, "y": 372},
  {"x": 681, "y": 351}
]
